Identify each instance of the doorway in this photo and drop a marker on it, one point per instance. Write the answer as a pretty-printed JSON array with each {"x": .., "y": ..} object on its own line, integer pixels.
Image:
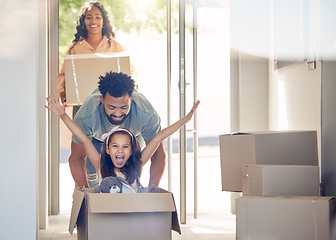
[{"x": 149, "y": 55}]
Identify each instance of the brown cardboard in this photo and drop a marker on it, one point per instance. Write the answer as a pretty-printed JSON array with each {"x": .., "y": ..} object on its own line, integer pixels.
[
  {"x": 274, "y": 147},
  {"x": 285, "y": 218},
  {"x": 124, "y": 216},
  {"x": 82, "y": 72},
  {"x": 280, "y": 180}
]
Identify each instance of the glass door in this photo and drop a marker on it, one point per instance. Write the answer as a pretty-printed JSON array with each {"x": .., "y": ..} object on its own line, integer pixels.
[{"x": 204, "y": 74}]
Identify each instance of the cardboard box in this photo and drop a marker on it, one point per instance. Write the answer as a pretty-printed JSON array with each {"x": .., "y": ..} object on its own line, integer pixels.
[
  {"x": 82, "y": 72},
  {"x": 280, "y": 180},
  {"x": 285, "y": 218},
  {"x": 277, "y": 147},
  {"x": 124, "y": 216}
]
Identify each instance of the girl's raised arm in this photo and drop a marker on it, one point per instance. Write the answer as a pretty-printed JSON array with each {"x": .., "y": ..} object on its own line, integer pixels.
[
  {"x": 148, "y": 151},
  {"x": 59, "y": 110}
]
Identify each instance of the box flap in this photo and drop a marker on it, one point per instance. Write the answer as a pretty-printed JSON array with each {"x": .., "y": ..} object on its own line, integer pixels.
[
  {"x": 266, "y": 132},
  {"x": 131, "y": 202},
  {"x": 275, "y": 132},
  {"x": 175, "y": 221},
  {"x": 78, "y": 197},
  {"x": 288, "y": 198},
  {"x": 96, "y": 55},
  {"x": 158, "y": 200}
]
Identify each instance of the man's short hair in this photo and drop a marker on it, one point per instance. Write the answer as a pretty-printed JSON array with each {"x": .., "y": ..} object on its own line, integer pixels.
[{"x": 116, "y": 84}]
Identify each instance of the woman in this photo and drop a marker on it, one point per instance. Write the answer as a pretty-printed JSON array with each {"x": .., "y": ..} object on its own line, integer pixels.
[{"x": 94, "y": 35}]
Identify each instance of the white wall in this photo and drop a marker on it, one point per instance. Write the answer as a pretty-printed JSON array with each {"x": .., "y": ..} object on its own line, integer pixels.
[
  {"x": 253, "y": 92},
  {"x": 264, "y": 98},
  {"x": 19, "y": 67},
  {"x": 249, "y": 93},
  {"x": 249, "y": 35},
  {"x": 296, "y": 98}
]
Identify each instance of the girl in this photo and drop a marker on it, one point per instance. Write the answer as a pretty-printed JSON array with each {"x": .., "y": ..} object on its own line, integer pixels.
[{"x": 121, "y": 154}]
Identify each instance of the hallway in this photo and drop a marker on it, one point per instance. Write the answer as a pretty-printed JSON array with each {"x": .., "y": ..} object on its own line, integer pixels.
[{"x": 214, "y": 221}]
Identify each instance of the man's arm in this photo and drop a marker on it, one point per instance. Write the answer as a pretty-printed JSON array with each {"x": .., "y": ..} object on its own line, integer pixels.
[
  {"x": 77, "y": 165},
  {"x": 158, "y": 162}
]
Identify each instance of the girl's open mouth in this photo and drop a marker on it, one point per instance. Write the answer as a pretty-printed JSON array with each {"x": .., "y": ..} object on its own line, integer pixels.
[{"x": 120, "y": 160}]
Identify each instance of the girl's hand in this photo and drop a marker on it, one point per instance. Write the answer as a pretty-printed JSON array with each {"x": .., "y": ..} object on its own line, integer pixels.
[
  {"x": 192, "y": 111},
  {"x": 55, "y": 106}
]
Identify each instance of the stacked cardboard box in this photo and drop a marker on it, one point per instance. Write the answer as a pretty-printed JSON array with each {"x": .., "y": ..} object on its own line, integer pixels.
[
  {"x": 276, "y": 148},
  {"x": 280, "y": 180},
  {"x": 285, "y": 218},
  {"x": 278, "y": 174}
]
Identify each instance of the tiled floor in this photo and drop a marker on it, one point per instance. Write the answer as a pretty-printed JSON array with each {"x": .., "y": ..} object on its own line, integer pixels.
[{"x": 214, "y": 218}]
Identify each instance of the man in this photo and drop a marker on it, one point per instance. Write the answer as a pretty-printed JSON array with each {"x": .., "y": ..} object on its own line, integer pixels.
[{"x": 115, "y": 104}]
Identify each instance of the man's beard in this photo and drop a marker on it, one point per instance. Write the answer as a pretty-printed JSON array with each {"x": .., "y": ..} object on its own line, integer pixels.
[{"x": 114, "y": 122}]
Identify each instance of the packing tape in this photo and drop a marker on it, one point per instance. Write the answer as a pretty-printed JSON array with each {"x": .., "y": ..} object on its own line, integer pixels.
[
  {"x": 315, "y": 220},
  {"x": 118, "y": 62},
  {"x": 74, "y": 76},
  {"x": 247, "y": 220}
]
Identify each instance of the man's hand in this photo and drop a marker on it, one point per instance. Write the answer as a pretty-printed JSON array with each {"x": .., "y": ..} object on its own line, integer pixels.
[{"x": 63, "y": 97}]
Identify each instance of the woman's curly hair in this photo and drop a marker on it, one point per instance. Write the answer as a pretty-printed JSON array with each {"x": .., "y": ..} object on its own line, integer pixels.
[
  {"x": 81, "y": 29},
  {"x": 133, "y": 166}
]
